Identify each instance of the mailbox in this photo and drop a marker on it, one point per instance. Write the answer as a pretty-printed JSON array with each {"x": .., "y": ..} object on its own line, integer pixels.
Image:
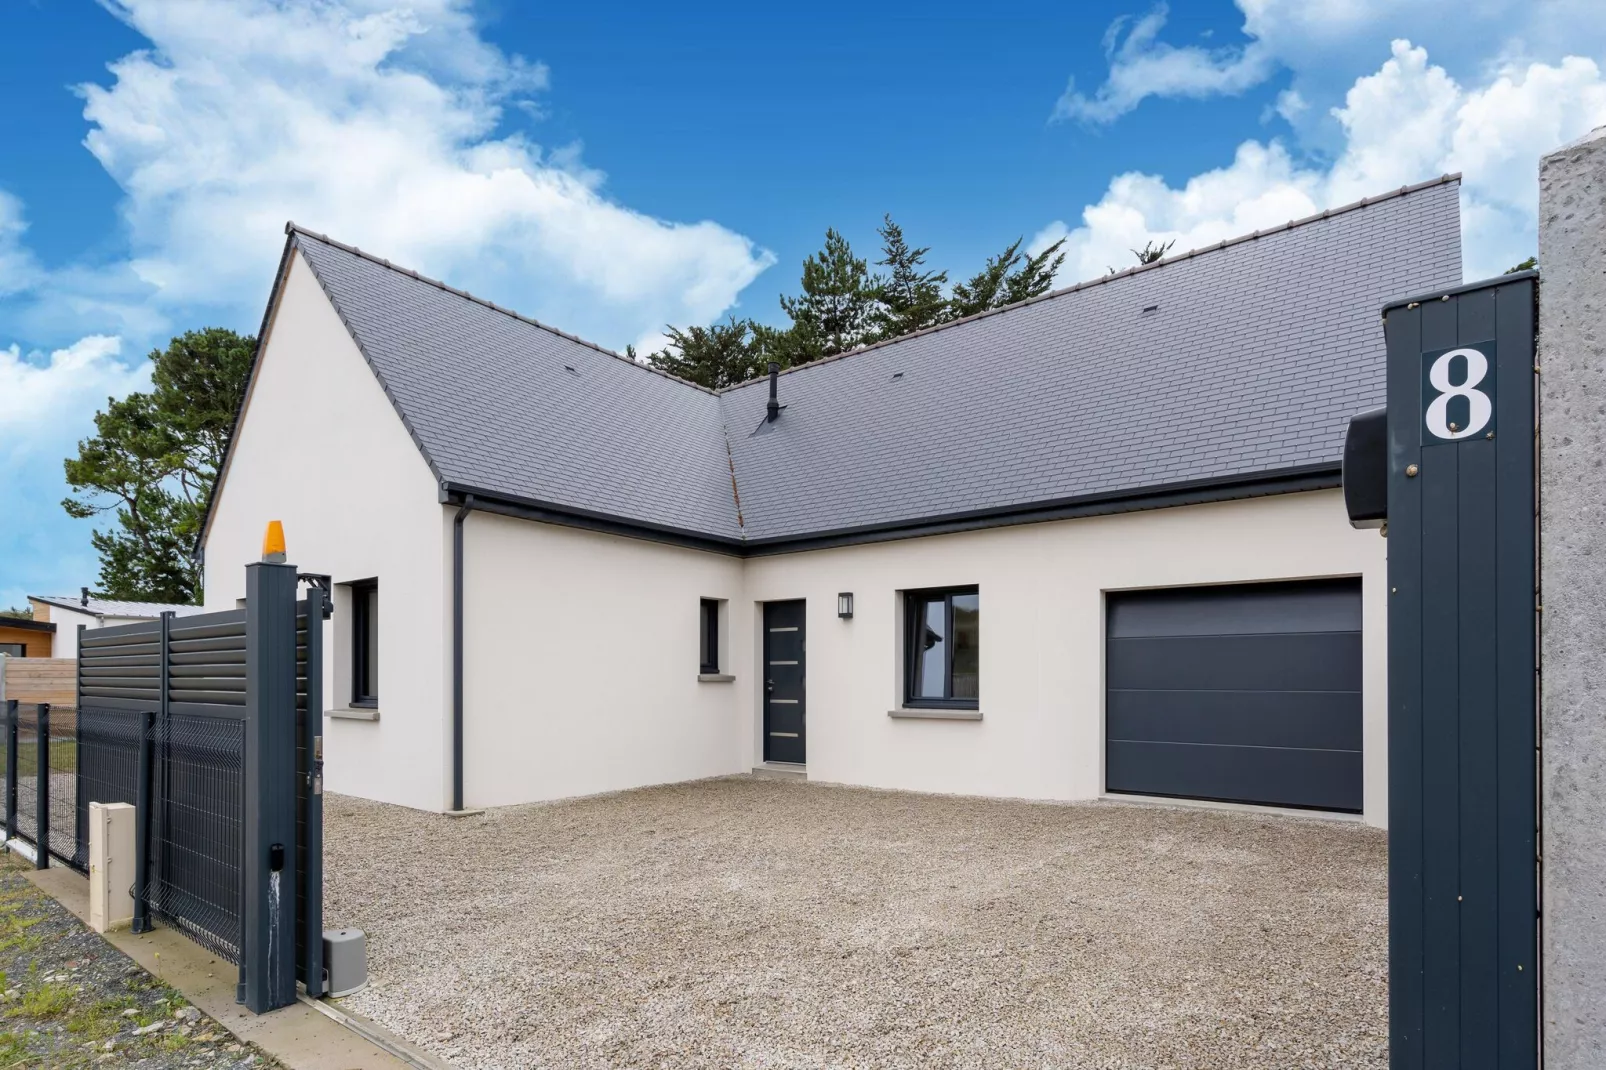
[{"x": 1366, "y": 468}]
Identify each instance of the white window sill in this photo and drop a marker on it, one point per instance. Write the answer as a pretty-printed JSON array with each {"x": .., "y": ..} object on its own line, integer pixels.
[
  {"x": 350, "y": 714},
  {"x": 935, "y": 715},
  {"x": 714, "y": 677}
]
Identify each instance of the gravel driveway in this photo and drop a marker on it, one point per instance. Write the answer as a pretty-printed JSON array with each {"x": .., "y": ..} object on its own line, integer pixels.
[{"x": 762, "y": 923}]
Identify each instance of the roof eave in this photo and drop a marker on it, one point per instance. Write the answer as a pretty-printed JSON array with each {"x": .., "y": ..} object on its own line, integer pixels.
[{"x": 1326, "y": 475}]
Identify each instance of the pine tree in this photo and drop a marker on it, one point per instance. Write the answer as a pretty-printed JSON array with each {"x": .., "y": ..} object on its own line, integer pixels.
[
  {"x": 1009, "y": 277},
  {"x": 910, "y": 298},
  {"x": 1036, "y": 276},
  {"x": 153, "y": 461},
  {"x": 716, "y": 356},
  {"x": 833, "y": 314}
]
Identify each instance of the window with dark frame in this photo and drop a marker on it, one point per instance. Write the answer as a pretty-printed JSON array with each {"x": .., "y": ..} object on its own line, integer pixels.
[
  {"x": 942, "y": 648},
  {"x": 709, "y": 637},
  {"x": 365, "y": 643},
  {"x": 16, "y": 650}
]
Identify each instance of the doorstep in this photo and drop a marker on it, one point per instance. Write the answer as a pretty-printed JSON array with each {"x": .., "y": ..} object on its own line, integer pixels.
[
  {"x": 781, "y": 771},
  {"x": 299, "y": 1036}
]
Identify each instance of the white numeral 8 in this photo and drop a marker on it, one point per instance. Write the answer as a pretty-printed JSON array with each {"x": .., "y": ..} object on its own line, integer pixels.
[{"x": 1477, "y": 401}]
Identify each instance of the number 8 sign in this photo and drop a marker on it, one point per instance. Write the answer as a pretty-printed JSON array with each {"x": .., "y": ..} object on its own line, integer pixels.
[{"x": 1458, "y": 393}]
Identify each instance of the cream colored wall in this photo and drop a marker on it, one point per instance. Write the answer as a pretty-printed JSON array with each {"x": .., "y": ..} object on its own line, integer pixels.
[
  {"x": 322, "y": 449},
  {"x": 581, "y": 664},
  {"x": 1042, "y": 610}
]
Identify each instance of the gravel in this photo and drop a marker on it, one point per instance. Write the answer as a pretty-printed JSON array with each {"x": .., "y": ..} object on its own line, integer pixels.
[{"x": 759, "y": 923}]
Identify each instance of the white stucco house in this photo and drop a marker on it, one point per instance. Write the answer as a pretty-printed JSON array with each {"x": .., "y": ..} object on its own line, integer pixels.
[
  {"x": 68, "y": 611},
  {"x": 1090, "y": 544}
]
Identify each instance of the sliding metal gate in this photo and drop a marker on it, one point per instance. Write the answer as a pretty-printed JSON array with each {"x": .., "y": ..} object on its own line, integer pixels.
[{"x": 210, "y": 726}]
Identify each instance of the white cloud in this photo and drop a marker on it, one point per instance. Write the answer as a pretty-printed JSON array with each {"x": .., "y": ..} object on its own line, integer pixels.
[
  {"x": 1321, "y": 46},
  {"x": 17, "y": 267},
  {"x": 42, "y": 395},
  {"x": 1406, "y": 122},
  {"x": 1143, "y": 66},
  {"x": 387, "y": 128},
  {"x": 47, "y": 403}
]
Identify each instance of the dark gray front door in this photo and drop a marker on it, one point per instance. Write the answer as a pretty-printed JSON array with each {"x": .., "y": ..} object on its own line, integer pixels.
[
  {"x": 785, "y": 704},
  {"x": 1248, "y": 693}
]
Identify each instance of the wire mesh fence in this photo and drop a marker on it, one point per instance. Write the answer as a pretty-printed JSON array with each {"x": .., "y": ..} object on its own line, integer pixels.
[
  {"x": 197, "y": 829},
  {"x": 27, "y": 729},
  {"x": 67, "y": 838},
  {"x": 107, "y": 766}
]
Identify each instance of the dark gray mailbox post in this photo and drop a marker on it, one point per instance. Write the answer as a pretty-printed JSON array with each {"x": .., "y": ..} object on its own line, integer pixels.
[{"x": 1449, "y": 469}]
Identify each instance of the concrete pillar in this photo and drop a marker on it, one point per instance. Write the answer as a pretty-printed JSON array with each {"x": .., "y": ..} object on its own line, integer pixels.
[
  {"x": 111, "y": 866},
  {"x": 1572, "y": 383}
]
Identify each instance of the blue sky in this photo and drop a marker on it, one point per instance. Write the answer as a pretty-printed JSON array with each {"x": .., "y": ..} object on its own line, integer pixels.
[{"x": 617, "y": 169}]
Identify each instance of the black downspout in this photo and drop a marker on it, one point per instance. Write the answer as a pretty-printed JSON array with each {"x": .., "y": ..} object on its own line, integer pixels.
[{"x": 457, "y": 652}]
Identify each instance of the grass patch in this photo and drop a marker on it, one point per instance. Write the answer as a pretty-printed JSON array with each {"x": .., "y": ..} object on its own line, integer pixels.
[{"x": 44, "y": 1002}]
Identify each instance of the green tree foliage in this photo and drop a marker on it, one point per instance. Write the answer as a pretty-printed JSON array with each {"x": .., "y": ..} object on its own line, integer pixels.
[
  {"x": 153, "y": 461},
  {"x": 1153, "y": 251},
  {"x": 833, "y": 313},
  {"x": 1009, "y": 277},
  {"x": 718, "y": 356},
  {"x": 15, "y": 613},
  {"x": 1527, "y": 265},
  {"x": 842, "y": 306},
  {"x": 909, "y": 298}
]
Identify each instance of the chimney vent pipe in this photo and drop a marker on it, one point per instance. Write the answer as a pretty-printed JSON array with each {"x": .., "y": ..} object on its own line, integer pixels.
[{"x": 773, "y": 409}]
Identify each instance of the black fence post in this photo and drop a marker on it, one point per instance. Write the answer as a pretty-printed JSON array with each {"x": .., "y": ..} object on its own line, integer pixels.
[
  {"x": 268, "y": 932},
  {"x": 312, "y": 728},
  {"x": 144, "y": 808},
  {"x": 41, "y": 787},
  {"x": 11, "y": 769}
]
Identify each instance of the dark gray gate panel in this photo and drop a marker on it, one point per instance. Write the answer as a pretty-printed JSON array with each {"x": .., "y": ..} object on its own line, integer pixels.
[
  {"x": 1462, "y": 870},
  {"x": 1248, "y": 693}
]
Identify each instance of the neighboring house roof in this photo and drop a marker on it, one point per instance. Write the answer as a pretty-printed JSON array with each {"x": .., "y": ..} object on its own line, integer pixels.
[
  {"x": 27, "y": 625},
  {"x": 1221, "y": 372},
  {"x": 112, "y": 607}
]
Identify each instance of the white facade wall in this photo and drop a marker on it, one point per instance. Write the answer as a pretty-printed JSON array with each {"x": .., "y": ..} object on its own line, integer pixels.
[
  {"x": 581, "y": 649},
  {"x": 581, "y": 664},
  {"x": 67, "y": 622},
  {"x": 322, "y": 449},
  {"x": 1042, "y": 637}
]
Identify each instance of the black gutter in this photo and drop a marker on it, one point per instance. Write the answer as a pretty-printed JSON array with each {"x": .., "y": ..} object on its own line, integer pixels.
[
  {"x": 489, "y": 501},
  {"x": 1324, "y": 476},
  {"x": 457, "y": 650}
]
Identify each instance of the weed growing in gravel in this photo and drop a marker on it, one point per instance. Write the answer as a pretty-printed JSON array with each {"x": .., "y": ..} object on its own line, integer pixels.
[{"x": 44, "y": 1001}]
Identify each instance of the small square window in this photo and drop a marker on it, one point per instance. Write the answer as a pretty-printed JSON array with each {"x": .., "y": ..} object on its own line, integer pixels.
[
  {"x": 708, "y": 644},
  {"x": 365, "y": 643},
  {"x": 942, "y": 648}
]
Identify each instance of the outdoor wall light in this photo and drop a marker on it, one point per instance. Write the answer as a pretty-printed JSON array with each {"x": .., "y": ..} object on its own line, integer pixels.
[{"x": 844, "y": 605}]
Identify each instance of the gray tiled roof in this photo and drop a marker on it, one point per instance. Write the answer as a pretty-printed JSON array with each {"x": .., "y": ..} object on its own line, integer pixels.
[
  {"x": 1253, "y": 360},
  {"x": 1231, "y": 361},
  {"x": 493, "y": 402}
]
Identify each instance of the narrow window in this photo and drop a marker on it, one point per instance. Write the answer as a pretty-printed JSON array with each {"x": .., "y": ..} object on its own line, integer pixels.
[
  {"x": 16, "y": 650},
  {"x": 365, "y": 643},
  {"x": 942, "y": 650},
  {"x": 709, "y": 637}
]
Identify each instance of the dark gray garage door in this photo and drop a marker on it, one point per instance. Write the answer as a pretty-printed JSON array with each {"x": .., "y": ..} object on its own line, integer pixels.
[{"x": 1246, "y": 693}]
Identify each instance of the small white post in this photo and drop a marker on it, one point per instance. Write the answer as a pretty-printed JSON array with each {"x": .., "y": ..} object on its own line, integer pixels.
[{"x": 111, "y": 866}]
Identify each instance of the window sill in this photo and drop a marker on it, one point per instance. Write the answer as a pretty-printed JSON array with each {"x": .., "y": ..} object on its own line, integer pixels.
[
  {"x": 714, "y": 677},
  {"x": 348, "y": 714},
  {"x": 935, "y": 714}
]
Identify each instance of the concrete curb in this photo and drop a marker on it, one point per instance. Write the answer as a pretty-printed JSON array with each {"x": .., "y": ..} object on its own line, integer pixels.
[{"x": 302, "y": 1036}]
